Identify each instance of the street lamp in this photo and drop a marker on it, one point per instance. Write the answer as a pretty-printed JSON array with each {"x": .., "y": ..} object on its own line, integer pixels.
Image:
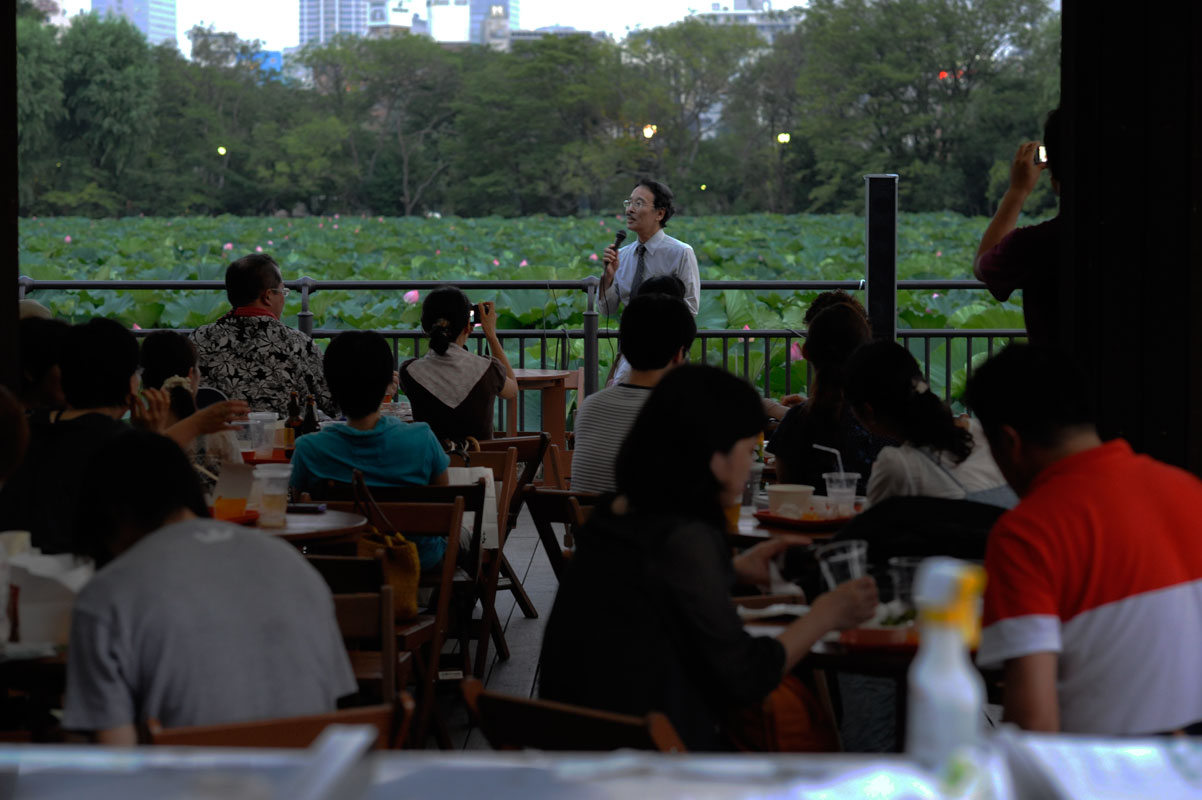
[
  {"x": 221, "y": 150},
  {"x": 649, "y": 131},
  {"x": 783, "y": 138}
]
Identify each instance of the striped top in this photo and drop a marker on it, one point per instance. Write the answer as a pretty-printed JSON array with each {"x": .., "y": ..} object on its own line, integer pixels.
[
  {"x": 602, "y": 423},
  {"x": 1101, "y": 563}
]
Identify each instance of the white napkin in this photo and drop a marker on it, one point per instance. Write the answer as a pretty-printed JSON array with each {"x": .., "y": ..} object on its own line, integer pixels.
[{"x": 48, "y": 585}]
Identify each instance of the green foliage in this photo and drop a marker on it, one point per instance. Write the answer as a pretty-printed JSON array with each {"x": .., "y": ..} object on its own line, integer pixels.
[{"x": 402, "y": 127}]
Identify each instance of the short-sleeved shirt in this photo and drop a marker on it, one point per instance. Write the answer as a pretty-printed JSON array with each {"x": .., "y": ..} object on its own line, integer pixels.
[
  {"x": 204, "y": 623},
  {"x": 262, "y": 361},
  {"x": 909, "y": 471},
  {"x": 795, "y": 437},
  {"x": 1028, "y": 258},
  {"x": 643, "y": 622},
  {"x": 602, "y": 423},
  {"x": 473, "y": 416},
  {"x": 1101, "y": 563},
  {"x": 41, "y": 495}
]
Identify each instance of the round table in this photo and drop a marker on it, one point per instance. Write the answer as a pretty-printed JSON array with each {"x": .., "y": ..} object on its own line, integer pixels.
[{"x": 324, "y": 526}]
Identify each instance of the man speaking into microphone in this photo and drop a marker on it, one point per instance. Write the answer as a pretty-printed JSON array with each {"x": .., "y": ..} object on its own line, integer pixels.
[{"x": 654, "y": 253}]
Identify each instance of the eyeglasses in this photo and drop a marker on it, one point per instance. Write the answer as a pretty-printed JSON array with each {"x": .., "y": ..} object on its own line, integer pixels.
[
  {"x": 638, "y": 204},
  {"x": 284, "y": 291}
]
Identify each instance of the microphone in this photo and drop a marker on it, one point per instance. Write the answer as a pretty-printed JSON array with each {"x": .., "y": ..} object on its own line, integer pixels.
[{"x": 621, "y": 237}]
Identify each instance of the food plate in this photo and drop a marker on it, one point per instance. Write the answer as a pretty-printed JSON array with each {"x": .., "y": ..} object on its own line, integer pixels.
[
  {"x": 903, "y": 638},
  {"x": 769, "y": 519},
  {"x": 774, "y": 611}
]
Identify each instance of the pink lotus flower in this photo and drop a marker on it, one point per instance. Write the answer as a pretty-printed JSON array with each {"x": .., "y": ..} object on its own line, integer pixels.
[
  {"x": 258, "y": 248},
  {"x": 228, "y": 246},
  {"x": 379, "y": 219},
  {"x": 592, "y": 257},
  {"x": 137, "y": 327},
  {"x": 938, "y": 253},
  {"x": 496, "y": 263},
  {"x": 285, "y": 236},
  {"x": 321, "y": 224},
  {"x": 67, "y": 239},
  {"x": 412, "y": 296},
  {"x": 336, "y": 217},
  {"x": 35, "y": 216},
  {"x": 795, "y": 352},
  {"x": 270, "y": 243},
  {"x": 437, "y": 252},
  {"x": 271, "y": 230},
  {"x": 356, "y": 230},
  {"x": 335, "y": 225},
  {"x": 524, "y": 263},
  {"x": 601, "y": 222},
  {"x": 289, "y": 224},
  {"x": 934, "y": 296}
]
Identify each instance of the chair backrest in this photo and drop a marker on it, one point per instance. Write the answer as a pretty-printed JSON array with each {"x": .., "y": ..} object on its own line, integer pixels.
[
  {"x": 292, "y": 731},
  {"x": 517, "y": 723},
  {"x": 504, "y": 473},
  {"x": 531, "y": 451},
  {"x": 349, "y": 574},
  {"x": 560, "y": 462},
  {"x": 367, "y": 621},
  {"x": 549, "y": 507}
]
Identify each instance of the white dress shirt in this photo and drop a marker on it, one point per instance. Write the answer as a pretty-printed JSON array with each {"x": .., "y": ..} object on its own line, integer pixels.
[{"x": 665, "y": 256}]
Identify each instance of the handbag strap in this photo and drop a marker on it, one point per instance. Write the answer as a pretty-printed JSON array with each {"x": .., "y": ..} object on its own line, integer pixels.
[{"x": 366, "y": 505}]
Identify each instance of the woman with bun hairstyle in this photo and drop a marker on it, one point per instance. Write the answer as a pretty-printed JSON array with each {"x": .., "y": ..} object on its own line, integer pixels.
[
  {"x": 940, "y": 456},
  {"x": 169, "y": 363},
  {"x": 451, "y": 389}
]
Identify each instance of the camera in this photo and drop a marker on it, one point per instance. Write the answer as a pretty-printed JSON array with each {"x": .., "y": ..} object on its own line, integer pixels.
[
  {"x": 476, "y": 315},
  {"x": 1041, "y": 155}
]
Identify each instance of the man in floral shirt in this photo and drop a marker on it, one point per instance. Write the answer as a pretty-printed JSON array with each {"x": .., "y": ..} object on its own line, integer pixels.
[{"x": 249, "y": 354}]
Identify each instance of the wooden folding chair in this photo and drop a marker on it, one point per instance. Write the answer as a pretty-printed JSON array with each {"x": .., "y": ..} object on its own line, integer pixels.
[
  {"x": 504, "y": 469},
  {"x": 390, "y": 720},
  {"x": 427, "y": 632},
  {"x": 532, "y": 449},
  {"x": 549, "y": 507},
  {"x": 560, "y": 462},
  {"x": 517, "y": 723}
]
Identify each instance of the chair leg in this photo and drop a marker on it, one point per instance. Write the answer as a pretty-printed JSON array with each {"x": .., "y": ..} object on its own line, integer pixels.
[
  {"x": 498, "y": 638},
  {"x": 519, "y": 591},
  {"x": 488, "y": 619}
]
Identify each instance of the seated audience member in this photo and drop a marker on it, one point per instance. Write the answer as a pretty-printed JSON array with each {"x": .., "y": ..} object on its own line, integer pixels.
[
  {"x": 655, "y": 334},
  {"x": 659, "y": 284},
  {"x": 451, "y": 389},
  {"x": 667, "y": 637},
  {"x": 389, "y": 452},
  {"x": 41, "y": 376},
  {"x": 824, "y": 418},
  {"x": 190, "y": 621},
  {"x": 1094, "y": 598},
  {"x": 169, "y": 364},
  {"x": 100, "y": 381},
  {"x": 1027, "y": 258},
  {"x": 940, "y": 456},
  {"x": 249, "y": 353}
]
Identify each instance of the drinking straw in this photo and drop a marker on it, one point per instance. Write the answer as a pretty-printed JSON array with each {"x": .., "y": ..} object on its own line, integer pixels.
[{"x": 838, "y": 455}]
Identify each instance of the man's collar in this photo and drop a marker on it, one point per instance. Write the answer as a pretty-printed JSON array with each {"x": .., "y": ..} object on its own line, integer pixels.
[{"x": 654, "y": 241}]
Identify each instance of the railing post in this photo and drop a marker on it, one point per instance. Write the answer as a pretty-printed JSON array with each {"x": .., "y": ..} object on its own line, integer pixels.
[
  {"x": 304, "y": 319},
  {"x": 24, "y": 284},
  {"x": 880, "y": 219},
  {"x": 591, "y": 321}
]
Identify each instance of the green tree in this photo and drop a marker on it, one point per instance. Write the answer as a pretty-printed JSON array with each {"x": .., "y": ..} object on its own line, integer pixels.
[{"x": 39, "y": 104}]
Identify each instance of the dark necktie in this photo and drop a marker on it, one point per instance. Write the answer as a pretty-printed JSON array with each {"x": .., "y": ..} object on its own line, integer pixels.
[{"x": 640, "y": 271}]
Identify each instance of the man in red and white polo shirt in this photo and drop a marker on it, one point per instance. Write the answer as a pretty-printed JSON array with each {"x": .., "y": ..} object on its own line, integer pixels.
[{"x": 1094, "y": 595}]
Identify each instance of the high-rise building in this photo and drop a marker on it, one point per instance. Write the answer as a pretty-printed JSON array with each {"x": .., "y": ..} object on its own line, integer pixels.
[
  {"x": 449, "y": 20},
  {"x": 387, "y": 18},
  {"x": 155, "y": 18},
  {"x": 490, "y": 16},
  {"x": 756, "y": 13},
  {"x": 322, "y": 20}
]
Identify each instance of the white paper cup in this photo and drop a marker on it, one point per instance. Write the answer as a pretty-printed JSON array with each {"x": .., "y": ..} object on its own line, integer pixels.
[{"x": 789, "y": 499}]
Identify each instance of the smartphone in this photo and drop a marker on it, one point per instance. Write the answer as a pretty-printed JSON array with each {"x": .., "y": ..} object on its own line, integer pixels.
[
  {"x": 1041, "y": 155},
  {"x": 306, "y": 508}
]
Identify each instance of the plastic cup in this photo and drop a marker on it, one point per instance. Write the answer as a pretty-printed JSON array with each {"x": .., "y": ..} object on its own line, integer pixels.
[
  {"x": 262, "y": 433},
  {"x": 843, "y": 561},
  {"x": 841, "y": 491},
  {"x": 272, "y": 482},
  {"x": 901, "y": 572},
  {"x": 789, "y": 499}
]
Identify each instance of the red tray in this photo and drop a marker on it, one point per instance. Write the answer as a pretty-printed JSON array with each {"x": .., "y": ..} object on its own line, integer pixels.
[
  {"x": 769, "y": 519},
  {"x": 900, "y": 638},
  {"x": 247, "y": 518}
]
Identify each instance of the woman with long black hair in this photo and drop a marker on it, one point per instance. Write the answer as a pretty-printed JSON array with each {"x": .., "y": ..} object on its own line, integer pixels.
[{"x": 643, "y": 620}]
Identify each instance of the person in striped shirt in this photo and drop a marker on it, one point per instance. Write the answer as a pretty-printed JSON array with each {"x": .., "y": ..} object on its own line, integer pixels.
[
  {"x": 654, "y": 334},
  {"x": 1093, "y": 604}
]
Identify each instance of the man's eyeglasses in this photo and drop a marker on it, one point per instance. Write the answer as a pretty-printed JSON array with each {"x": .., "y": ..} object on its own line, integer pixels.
[
  {"x": 283, "y": 290},
  {"x": 638, "y": 204}
]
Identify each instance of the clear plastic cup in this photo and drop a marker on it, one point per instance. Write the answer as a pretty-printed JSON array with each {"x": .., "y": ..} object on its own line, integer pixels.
[
  {"x": 843, "y": 561},
  {"x": 841, "y": 491},
  {"x": 272, "y": 483},
  {"x": 901, "y": 572},
  {"x": 262, "y": 433}
]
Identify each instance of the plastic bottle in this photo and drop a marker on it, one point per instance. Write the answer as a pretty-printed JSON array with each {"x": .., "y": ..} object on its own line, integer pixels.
[{"x": 947, "y": 693}]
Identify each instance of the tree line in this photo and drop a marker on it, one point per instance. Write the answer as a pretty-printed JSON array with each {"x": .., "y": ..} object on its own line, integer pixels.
[{"x": 939, "y": 91}]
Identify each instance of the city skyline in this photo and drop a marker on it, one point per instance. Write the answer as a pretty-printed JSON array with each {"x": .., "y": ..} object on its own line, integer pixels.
[{"x": 276, "y": 22}]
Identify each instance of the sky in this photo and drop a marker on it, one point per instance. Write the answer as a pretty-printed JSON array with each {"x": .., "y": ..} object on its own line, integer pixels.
[{"x": 276, "y": 22}]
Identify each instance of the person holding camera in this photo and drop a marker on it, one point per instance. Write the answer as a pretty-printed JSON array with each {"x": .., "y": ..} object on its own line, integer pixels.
[{"x": 450, "y": 388}]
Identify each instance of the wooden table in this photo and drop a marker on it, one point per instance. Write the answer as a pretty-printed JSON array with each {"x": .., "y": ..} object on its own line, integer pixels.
[
  {"x": 552, "y": 385},
  {"x": 325, "y": 527}
]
